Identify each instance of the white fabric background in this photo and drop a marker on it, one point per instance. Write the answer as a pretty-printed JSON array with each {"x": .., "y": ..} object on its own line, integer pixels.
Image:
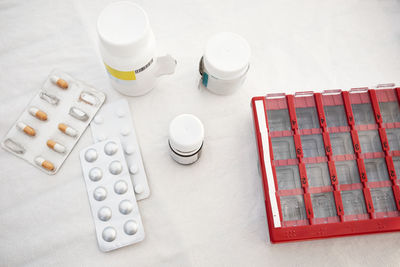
[{"x": 211, "y": 213}]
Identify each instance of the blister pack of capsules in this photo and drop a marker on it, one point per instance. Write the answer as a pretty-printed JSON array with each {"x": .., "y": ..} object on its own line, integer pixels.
[
  {"x": 53, "y": 122},
  {"x": 330, "y": 162},
  {"x": 112, "y": 199},
  {"x": 114, "y": 120}
]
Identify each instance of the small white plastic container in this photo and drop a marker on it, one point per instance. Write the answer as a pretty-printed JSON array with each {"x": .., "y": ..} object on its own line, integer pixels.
[
  {"x": 225, "y": 63},
  {"x": 186, "y": 137},
  {"x": 128, "y": 48}
]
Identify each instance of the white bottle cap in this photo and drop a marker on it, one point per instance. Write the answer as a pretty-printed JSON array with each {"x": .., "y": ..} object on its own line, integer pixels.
[
  {"x": 227, "y": 55},
  {"x": 124, "y": 31},
  {"x": 186, "y": 133}
]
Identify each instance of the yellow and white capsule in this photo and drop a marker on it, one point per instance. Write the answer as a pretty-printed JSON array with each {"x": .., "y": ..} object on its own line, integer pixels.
[
  {"x": 59, "y": 82},
  {"x": 41, "y": 115},
  {"x": 56, "y": 146},
  {"x": 26, "y": 129},
  {"x": 44, "y": 163},
  {"x": 68, "y": 130}
]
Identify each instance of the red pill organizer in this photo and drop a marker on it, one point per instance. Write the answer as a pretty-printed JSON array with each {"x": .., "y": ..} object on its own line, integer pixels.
[{"x": 330, "y": 162}]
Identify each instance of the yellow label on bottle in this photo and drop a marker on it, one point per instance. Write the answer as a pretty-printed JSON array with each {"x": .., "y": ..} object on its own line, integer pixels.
[{"x": 122, "y": 75}]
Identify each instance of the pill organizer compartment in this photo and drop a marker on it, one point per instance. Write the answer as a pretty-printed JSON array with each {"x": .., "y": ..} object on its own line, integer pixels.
[
  {"x": 363, "y": 114},
  {"x": 283, "y": 148},
  {"x": 370, "y": 141},
  {"x": 388, "y": 105},
  {"x": 390, "y": 112},
  {"x": 393, "y": 136},
  {"x": 313, "y": 145},
  {"x": 353, "y": 203},
  {"x": 347, "y": 172},
  {"x": 293, "y": 209},
  {"x": 335, "y": 116},
  {"x": 383, "y": 199},
  {"x": 69, "y": 105},
  {"x": 307, "y": 118},
  {"x": 376, "y": 169},
  {"x": 323, "y": 205},
  {"x": 318, "y": 174},
  {"x": 288, "y": 177},
  {"x": 278, "y": 120},
  {"x": 341, "y": 143}
]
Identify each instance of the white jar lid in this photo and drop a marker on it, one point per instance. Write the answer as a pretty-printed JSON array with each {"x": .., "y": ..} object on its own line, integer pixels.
[
  {"x": 227, "y": 55},
  {"x": 124, "y": 29},
  {"x": 186, "y": 133}
]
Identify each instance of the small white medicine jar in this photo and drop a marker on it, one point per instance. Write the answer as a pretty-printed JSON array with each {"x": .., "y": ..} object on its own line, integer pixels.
[
  {"x": 225, "y": 63},
  {"x": 186, "y": 137}
]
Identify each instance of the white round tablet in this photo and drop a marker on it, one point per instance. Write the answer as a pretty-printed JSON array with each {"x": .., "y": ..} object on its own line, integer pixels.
[
  {"x": 95, "y": 174},
  {"x": 131, "y": 227},
  {"x": 91, "y": 155},
  {"x": 98, "y": 119},
  {"x": 129, "y": 149},
  {"x": 139, "y": 189},
  {"x": 120, "y": 112},
  {"x": 133, "y": 169},
  {"x": 120, "y": 187},
  {"x": 115, "y": 167},
  {"x": 101, "y": 137},
  {"x": 100, "y": 193},
  {"x": 109, "y": 234},
  {"x": 104, "y": 214},
  {"x": 125, "y": 131},
  {"x": 125, "y": 207},
  {"x": 110, "y": 148}
]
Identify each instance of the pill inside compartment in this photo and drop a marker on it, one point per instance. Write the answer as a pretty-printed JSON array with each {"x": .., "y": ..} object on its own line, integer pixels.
[
  {"x": 78, "y": 114},
  {"x": 26, "y": 128},
  {"x": 59, "y": 148},
  {"x": 61, "y": 83},
  {"x": 68, "y": 130},
  {"x": 44, "y": 163},
  {"x": 37, "y": 113},
  {"x": 89, "y": 98}
]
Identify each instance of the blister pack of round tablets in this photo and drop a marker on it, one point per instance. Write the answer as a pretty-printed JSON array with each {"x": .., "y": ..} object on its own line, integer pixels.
[
  {"x": 114, "y": 120},
  {"x": 112, "y": 200},
  {"x": 53, "y": 122}
]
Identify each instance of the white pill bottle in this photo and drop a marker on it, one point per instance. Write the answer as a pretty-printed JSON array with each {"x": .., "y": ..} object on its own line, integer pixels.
[
  {"x": 128, "y": 49},
  {"x": 225, "y": 63}
]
